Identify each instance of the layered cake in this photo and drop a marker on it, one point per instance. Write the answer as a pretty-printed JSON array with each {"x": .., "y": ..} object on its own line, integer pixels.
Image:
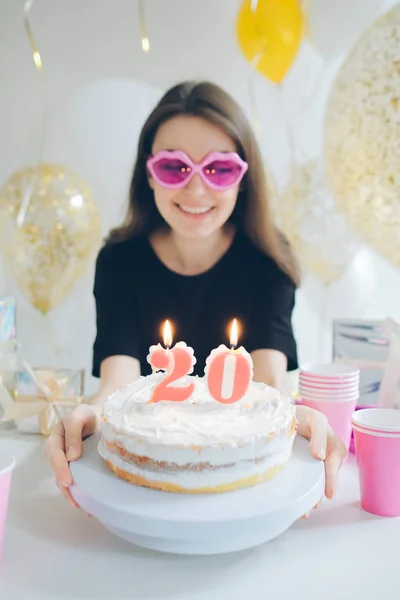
[{"x": 197, "y": 445}]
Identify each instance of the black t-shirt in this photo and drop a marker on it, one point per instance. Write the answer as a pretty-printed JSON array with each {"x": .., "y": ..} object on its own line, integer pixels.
[{"x": 135, "y": 293}]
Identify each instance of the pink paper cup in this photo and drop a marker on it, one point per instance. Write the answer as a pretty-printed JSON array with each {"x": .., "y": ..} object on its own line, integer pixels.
[
  {"x": 329, "y": 371},
  {"x": 338, "y": 413},
  {"x": 327, "y": 395},
  {"x": 321, "y": 384},
  {"x": 377, "y": 445},
  {"x": 7, "y": 464}
]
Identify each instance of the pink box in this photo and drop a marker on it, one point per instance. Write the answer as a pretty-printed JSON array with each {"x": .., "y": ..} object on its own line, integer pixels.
[
  {"x": 377, "y": 443},
  {"x": 7, "y": 464}
]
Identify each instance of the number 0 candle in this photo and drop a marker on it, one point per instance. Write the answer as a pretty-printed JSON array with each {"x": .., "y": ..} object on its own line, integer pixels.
[
  {"x": 228, "y": 372},
  {"x": 176, "y": 362}
]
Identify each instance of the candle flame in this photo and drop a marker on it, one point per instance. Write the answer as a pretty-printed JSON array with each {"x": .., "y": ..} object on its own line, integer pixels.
[
  {"x": 234, "y": 334},
  {"x": 167, "y": 334}
]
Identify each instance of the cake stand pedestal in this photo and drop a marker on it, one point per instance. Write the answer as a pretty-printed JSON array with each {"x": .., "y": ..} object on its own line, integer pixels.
[{"x": 198, "y": 523}]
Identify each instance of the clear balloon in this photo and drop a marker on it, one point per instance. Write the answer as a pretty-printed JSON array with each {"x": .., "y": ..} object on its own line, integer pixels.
[
  {"x": 362, "y": 137},
  {"x": 49, "y": 229},
  {"x": 319, "y": 235}
]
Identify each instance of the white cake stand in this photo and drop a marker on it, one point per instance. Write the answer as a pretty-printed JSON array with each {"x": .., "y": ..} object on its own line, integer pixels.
[{"x": 198, "y": 524}]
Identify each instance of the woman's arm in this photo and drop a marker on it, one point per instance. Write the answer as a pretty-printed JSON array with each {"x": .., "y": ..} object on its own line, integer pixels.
[
  {"x": 270, "y": 367},
  {"x": 115, "y": 373}
]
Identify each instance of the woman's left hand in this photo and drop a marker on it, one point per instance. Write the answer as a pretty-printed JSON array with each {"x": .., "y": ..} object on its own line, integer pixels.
[{"x": 324, "y": 445}]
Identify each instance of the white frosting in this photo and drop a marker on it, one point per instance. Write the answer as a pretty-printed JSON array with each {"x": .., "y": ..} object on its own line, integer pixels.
[
  {"x": 206, "y": 478},
  {"x": 187, "y": 455},
  {"x": 200, "y": 421}
]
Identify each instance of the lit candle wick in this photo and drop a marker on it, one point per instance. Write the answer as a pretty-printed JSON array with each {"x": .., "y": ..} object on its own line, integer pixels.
[
  {"x": 167, "y": 335},
  {"x": 234, "y": 335}
]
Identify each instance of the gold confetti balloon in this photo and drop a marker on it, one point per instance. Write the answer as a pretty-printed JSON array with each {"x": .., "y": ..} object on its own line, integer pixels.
[
  {"x": 306, "y": 214},
  {"x": 362, "y": 137},
  {"x": 49, "y": 230}
]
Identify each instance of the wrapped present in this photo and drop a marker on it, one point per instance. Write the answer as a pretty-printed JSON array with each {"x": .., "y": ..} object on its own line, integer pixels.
[
  {"x": 7, "y": 318},
  {"x": 374, "y": 347},
  {"x": 43, "y": 397}
]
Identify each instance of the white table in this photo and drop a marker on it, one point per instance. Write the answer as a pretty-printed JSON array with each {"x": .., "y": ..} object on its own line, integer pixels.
[{"x": 53, "y": 551}]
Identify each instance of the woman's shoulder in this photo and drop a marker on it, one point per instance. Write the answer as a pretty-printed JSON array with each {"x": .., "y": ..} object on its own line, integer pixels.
[
  {"x": 261, "y": 265},
  {"x": 117, "y": 254}
]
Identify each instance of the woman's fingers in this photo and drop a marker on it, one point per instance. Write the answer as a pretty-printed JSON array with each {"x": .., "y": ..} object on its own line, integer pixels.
[
  {"x": 68, "y": 496},
  {"x": 313, "y": 426},
  {"x": 81, "y": 422},
  {"x": 318, "y": 435},
  {"x": 336, "y": 453},
  {"x": 73, "y": 425},
  {"x": 324, "y": 445},
  {"x": 65, "y": 444},
  {"x": 55, "y": 452}
]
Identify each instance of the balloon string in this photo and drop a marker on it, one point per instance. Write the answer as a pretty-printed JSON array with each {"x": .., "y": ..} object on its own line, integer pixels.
[
  {"x": 288, "y": 128},
  {"x": 252, "y": 95},
  {"x": 37, "y": 60},
  {"x": 308, "y": 110},
  {"x": 80, "y": 319},
  {"x": 322, "y": 322},
  {"x": 143, "y": 28},
  {"x": 253, "y": 103},
  {"x": 48, "y": 332}
]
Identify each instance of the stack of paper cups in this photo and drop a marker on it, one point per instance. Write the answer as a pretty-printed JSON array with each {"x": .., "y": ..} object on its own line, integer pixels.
[{"x": 332, "y": 389}]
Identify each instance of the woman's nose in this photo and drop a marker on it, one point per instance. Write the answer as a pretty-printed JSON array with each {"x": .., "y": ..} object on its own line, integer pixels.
[{"x": 196, "y": 185}]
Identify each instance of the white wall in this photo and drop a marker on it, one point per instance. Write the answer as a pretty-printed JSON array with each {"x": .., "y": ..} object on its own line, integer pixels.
[{"x": 99, "y": 88}]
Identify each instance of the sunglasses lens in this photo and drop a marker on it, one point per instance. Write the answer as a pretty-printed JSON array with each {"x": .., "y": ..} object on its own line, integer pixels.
[
  {"x": 171, "y": 171},
  {"x": 223, "y": 173}
]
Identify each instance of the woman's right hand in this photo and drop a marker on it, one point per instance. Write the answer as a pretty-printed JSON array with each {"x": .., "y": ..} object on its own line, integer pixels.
[{"x": 65, "y": 445}]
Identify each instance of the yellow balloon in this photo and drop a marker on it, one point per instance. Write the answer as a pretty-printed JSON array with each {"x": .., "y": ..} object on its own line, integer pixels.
[
  {"x": 49, "y": 228},
  {"x": 270, "y": 35}
]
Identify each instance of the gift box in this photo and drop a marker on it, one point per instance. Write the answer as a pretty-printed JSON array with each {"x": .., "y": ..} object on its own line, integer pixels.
[
  {"x": 8, "y": 352},
  {"x": 7, "y": 318},
  {"x": 43, "y": 397},
  {"x": 373, "y": 346}
]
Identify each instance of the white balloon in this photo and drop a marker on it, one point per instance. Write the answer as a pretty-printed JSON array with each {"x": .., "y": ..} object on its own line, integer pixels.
[
  {"x": 95, "y": 132},
  {"x": 333, "y": 26}
]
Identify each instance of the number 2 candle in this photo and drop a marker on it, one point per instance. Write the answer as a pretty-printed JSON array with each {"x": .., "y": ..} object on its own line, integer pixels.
[{"x": 177, "y": 362}]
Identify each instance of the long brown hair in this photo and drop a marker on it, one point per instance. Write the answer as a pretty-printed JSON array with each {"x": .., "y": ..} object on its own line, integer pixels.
[{"x": 252, "y": 212}]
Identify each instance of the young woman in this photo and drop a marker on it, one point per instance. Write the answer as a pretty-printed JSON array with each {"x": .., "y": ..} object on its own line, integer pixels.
[{"x": 199, "y": 248}]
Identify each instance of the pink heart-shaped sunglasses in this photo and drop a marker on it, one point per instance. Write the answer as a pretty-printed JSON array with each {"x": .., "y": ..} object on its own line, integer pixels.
[{"x": 174, "y": 169}]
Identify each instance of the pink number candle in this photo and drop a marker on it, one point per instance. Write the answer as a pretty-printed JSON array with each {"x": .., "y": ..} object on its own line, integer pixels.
[
  {"x": 229, "y": 372},
  {"x": 176, "y": 362}
]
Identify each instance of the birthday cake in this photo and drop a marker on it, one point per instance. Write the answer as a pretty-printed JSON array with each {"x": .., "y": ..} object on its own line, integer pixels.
[{"x": 197, "y": 445}]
